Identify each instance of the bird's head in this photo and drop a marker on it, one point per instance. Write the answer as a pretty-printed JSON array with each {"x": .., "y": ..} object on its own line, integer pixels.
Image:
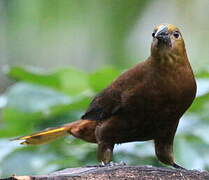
[{"x": 167, "y": 39}]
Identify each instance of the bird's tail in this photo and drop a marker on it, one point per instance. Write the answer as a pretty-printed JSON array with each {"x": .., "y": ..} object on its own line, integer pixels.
[{"x": 46, "y": 135}]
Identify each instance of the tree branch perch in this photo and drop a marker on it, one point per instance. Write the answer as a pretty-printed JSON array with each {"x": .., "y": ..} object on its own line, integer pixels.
[{"x": 119, "y": 172}]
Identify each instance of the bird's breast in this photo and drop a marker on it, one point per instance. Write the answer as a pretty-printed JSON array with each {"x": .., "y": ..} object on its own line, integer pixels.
[{"x": 162, "y": 95}]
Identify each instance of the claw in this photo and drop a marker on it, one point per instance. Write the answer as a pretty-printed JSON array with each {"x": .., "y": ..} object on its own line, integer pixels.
[
  {"x": 177, "y": 166},
  {"x": 115, "y": 164},
  {"x": 111, "y": 163},
  {"x": 122, "y": 163}
]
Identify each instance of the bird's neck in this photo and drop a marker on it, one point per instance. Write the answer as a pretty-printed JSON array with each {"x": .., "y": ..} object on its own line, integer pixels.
[{"x": 168, "y": 58}]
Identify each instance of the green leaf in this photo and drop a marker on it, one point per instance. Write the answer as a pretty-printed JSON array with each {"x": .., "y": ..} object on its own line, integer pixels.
[
  {"x": 202, "y": 74},
  {"x": 72, "y": 81},
  {"x": 32, "y": 98},
  {"x": 102, "y": 78},
  {"x": 22, "y": 74},
  {"x": 67, "y": 80},
  {"x": 29, "y": 105},
  {"x": 16, "y": 122},
  {"x": 28, "y": 97},
  {"x": 199, "y": 103}
]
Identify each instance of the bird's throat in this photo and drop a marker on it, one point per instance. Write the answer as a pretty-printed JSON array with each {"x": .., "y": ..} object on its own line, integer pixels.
[{"x": 167, "y": 58}]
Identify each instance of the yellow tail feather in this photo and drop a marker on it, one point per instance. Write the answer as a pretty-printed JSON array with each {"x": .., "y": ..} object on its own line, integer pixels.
[{"x": 44, "y": 136}]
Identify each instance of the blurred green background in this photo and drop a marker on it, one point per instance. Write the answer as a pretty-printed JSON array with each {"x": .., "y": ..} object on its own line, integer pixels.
[{"x": 55, "y": 55}]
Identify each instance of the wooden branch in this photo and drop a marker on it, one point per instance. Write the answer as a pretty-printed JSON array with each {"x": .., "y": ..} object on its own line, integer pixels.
[{"x": 119, "y": 172}]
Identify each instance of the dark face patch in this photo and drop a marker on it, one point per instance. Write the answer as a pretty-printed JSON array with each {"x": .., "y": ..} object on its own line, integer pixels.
[{"x": 164, "y": 42}]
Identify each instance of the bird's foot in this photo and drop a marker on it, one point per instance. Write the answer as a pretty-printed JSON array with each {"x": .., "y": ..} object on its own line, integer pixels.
[
  {"x": 115, "y": 164},
  {"x": 102, "y": 164},
  {"x": 96, "y": 165},
  {"x": 111, "y": 163},
  {"x": 177, "y": 166}
]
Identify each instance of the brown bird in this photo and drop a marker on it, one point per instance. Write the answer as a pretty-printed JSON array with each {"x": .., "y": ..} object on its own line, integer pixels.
[{"x": 144, "y": 103}]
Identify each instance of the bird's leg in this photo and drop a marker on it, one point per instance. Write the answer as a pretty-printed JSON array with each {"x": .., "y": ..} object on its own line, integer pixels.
[
  {"x": 164, "y": 152},
  {"x": 104, "y": 153}
]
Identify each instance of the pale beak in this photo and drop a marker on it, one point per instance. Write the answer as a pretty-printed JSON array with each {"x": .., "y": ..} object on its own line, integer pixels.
[{"x": 162, "y": 32}]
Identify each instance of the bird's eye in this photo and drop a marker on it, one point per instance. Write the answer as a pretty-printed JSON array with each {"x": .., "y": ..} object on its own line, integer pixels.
[
  {"x": 176, "y": 34},
  {"x": 153, "y": 34}
]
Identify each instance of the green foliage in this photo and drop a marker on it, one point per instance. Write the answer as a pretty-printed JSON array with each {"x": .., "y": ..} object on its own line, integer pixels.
[
  {"x": 37, "y": 101},
  {"x": 100, "y": 79},
  {"x": 59, "y": 80}
]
